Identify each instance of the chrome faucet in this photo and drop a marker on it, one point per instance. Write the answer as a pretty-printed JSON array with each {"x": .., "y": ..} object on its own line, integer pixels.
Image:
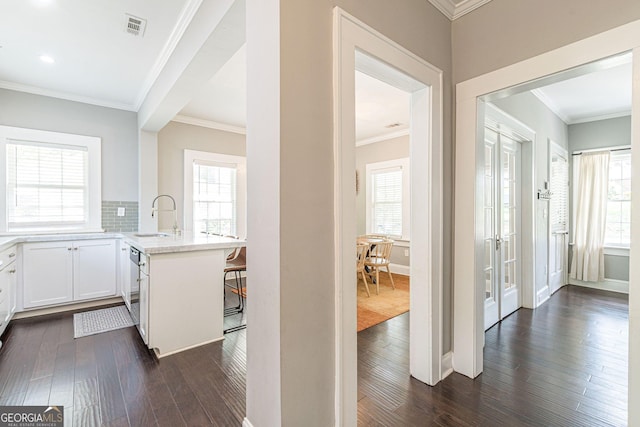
[{"x": 174, "y": 210}]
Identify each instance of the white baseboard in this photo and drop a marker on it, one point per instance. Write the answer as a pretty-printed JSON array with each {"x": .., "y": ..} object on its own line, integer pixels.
[
  {"x": 620, "y": 286},
  {"x": 246, "y": 422},
  {"x": 399, "y": 269},
  {"x": 542, "y": 296},
  {"x": 447, "y": 365},
  {"x": 68, "y": 307}
]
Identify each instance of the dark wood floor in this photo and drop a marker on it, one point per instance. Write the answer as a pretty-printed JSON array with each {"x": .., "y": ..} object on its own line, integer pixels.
[{"x": 563, "y": 365}]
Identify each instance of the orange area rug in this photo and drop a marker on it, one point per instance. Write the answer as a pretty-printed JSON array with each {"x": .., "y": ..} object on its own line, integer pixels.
[{"x": 390, "y": 303}]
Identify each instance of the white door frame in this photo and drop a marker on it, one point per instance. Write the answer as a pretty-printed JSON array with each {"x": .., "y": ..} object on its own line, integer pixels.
[
  {"x": 527, "y": 140},
  {"x": 468, "y": 289},
  {"x": 355, "y": 46}
]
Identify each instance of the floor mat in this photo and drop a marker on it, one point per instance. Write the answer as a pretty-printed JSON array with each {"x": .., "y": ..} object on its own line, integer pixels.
[{"x": 103, "y": 320}]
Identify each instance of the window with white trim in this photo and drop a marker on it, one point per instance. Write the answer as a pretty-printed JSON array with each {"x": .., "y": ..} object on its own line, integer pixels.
[
  {"x": 388, "y": 207},
  {"x": 618, "y": 228},
  {"x": 214, "y": 198},
  {"x": 52, "y": 181},
  {"x": 215, "y": 193}
]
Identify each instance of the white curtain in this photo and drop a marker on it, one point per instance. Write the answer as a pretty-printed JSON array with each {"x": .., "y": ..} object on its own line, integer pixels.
[{"x": 587, "y": 262}]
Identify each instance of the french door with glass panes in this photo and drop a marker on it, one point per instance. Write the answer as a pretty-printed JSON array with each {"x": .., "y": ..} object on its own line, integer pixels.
[
  {"x": 502, "y": 213},
  {"x": 558, "y": 214}
]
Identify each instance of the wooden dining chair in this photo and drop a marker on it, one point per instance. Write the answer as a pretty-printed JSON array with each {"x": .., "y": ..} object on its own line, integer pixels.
[
  {"x": 379, "y": 257},
  {"x": 362, "y": 249}
]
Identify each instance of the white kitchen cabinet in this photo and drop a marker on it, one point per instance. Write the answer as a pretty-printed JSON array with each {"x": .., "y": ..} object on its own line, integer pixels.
[
  {"x": 144, "y": 307},
  {"x": 124, "y": 273},
  {"x": 47, "y": 273},
  {"x": 7, "y": 286},
  {"x": 66, "y": 271},
  {"x": 94, "y": 269}
]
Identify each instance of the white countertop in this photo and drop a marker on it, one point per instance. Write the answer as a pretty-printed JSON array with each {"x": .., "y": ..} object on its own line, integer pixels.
[
  {"x": 186, "y": 242},
  {"x": 149, "y": 245},
  {"x": 6, "y": 241}
]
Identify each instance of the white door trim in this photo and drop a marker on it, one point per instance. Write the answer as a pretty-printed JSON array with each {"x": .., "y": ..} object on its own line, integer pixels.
[
  {"x": 355, "y": 44},
  {"x": 468, "y": 301}
]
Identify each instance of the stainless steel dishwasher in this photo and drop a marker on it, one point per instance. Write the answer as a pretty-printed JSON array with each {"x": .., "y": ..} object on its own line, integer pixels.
[{"x": 139, "y": 294}]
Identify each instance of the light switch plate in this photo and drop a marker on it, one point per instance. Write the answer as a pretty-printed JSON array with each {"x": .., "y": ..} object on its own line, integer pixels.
[{"x": 120, "y": 211}]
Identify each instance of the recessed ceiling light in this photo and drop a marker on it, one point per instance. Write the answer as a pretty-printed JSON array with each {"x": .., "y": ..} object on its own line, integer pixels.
[{"x": 47, "y": 59}]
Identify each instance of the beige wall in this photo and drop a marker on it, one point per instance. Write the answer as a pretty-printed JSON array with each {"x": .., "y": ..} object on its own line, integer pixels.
[
  {"x": 173, "y": 139},
  {"x": 298, "y": 318},
  {"x": 503, "y": 32}
]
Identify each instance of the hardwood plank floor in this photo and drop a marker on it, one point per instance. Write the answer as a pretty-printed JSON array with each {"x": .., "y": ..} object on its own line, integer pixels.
[{"x": 564, "y": 364}]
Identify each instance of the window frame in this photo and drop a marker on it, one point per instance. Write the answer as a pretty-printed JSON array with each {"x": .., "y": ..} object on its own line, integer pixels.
[
  {"x": 240, "y": 164},
  {"x": 614, "y": 154},
  {"x": 403, "y": 165},
  {"x": 93, "y": 147}
]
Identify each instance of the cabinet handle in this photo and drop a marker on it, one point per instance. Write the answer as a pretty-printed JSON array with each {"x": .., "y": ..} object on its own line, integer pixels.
[
  {"x": 123, "y": 249},
  {"x": 69, "y": 249},
  {"x": 12, "y": 271},
  {"x": 75, "y": 249},
  {"x": 12, "y": 254}
]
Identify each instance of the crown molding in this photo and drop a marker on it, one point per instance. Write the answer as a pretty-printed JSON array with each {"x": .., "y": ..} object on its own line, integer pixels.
[
  {"x": 538, "y": 93},
  {"x": 188, "y": 12},
  {"x": 209, "y": 124},
  {"x": 453, "y": 11},
  {"x": 600, "y": 117},
  {"x": 67, "y": 96},
  {"x": 380, "y": 138},
  {"x": 574, "y": 121}
]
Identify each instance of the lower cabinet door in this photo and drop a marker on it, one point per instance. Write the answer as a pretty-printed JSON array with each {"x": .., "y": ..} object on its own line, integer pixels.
[
  {"x": 94, "y": 269},
  {"x": 47, "y": 273}
]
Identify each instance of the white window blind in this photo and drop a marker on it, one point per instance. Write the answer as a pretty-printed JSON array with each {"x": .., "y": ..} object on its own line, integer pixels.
[
  {"x": 387, "y": 201},
  {"x": 560, "y": 194},
  {"x": 214, "y": 198},
  {"x": 47, "y": 185},
  {"x": 618, "y": 229}
]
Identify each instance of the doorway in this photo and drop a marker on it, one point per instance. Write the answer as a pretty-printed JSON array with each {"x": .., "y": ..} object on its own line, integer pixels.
[
  {"x": 503, "y": 222},
  {"x": 468, "y": 357},
  {"x": 359, "y": 47}
]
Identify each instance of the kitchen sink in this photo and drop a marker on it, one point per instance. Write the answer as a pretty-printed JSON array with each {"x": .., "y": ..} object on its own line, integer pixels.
[{"x": 151, "y": 234}]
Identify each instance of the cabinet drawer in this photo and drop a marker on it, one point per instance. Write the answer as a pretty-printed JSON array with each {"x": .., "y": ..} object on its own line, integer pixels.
[{"x": 7, "y": 256}]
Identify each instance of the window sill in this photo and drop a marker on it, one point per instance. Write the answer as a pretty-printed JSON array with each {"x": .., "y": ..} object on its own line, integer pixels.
[{"x": 616, "y": 251}]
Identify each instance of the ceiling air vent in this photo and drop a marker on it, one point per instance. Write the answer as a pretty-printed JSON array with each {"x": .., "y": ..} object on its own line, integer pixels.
[{"x": 135, "y": 25}]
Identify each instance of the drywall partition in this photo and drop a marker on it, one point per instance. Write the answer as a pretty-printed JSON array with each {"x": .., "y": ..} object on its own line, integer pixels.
[
  {"x": 468, "y": 333},
  {"x": 528, "y": 109},
  {"x": 117, "y": 129},
  {"x": 291, "y": 333},
  {"x": 173, "y": 139},
  {"x": 503, "y": 32}
]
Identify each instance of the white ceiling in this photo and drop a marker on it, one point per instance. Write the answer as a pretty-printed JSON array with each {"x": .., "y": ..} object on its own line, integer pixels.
[
  {"x": 598, "y": 95},
  {"x": 97, "y": 62}
]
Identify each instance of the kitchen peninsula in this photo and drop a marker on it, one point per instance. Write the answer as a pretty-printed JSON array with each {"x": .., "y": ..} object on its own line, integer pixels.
[{"x": 181, "y": 289}]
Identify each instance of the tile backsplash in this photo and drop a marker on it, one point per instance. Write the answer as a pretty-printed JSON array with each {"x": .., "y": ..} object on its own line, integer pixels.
[{"x": 111, "y": 222}]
